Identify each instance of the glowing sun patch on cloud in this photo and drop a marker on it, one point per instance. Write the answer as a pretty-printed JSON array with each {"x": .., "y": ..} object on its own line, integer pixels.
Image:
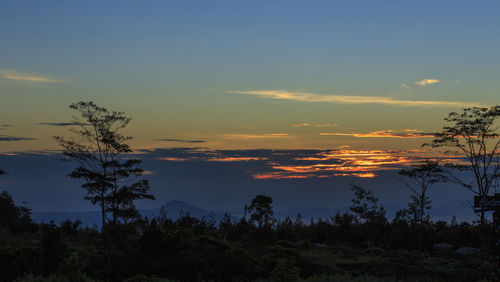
[
  {"x": 267, "y": 164},
  {"x": 354, "y": 163},
  {"x": 428, "y": 81}
]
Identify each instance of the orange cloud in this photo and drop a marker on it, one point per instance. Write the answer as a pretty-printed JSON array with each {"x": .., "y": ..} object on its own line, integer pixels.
[
  {"x": 302, "y": 124},
  {"x": 277, "y": 134},
  {"x": 365, "y": 175},
  {"x": 172, "y": 159},
  {"x": 235, "y": 159},
  {"x": 354, "y": 163},
  {"x": 303, "y": 164},
  {"x": 384, "y": 134},
  {"x": 276, "y": 175}
]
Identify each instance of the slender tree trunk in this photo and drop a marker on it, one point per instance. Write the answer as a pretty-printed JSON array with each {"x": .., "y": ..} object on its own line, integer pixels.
[
  {"x": 422, "y": 198},
  {"x": 103, "y": 211},
  {"x": 484, "y": 232},
  {"x": 482, "y": 216}
]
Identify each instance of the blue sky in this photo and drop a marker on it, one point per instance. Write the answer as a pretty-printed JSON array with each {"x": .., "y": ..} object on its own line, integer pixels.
[{"x": 173, "y": 65}]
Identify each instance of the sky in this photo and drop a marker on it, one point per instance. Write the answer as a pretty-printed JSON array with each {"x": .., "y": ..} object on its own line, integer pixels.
[{"x": 375, "y": 77}]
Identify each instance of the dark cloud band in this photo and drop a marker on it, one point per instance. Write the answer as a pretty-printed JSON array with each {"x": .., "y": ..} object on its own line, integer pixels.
[
  {"x": 14, "y": 138},
  {"x": 59, "y": 123}
]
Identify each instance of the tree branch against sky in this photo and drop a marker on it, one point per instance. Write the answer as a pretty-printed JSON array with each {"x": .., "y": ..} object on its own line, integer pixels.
[
  {"x": 418, "y": 179},
  {"x": 474, "y": 133},
  {"x": 97, "y": 151}
]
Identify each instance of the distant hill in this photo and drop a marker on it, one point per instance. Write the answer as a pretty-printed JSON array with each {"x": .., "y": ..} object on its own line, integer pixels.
[
  {"x": 176, "y": 208},
  {"x": 173, "y": 209}
]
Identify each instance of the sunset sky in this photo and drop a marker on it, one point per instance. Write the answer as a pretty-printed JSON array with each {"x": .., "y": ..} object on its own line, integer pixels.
[{"x": 360, "y": 78}]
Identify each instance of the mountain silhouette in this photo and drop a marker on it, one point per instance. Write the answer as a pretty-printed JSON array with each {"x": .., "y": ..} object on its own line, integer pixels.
[{"x": 174, "y": 209}]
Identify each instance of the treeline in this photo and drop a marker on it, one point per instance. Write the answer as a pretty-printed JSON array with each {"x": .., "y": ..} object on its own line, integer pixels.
[{"x": 359, "y": 244}]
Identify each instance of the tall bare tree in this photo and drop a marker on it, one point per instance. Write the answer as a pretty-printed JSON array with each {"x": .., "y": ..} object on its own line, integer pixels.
[
  {"x": 98, "y": 148},
  {"x": 418, "y": 179},
  {"x": 475, "y": 135}
]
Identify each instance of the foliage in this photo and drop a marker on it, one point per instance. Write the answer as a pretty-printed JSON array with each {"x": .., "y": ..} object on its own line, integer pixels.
[
  {"x": 52, "y": 246},
  {"x": 475, "y": 135},
  {"x": 418, "y": 179},
  {"x": 14, "y": 217},
  {"x": 365, "y": 207},
  {"x": 285, "y": 271},
  {"x": 261, "y": 211},
  {"x": 98, "y": 153},
  {"x": 191, "y": 249}
]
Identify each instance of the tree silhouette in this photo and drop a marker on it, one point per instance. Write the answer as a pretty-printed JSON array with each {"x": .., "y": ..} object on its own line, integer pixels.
[
  {"x": 121, "y": 199},
  {"x": 13, "y": 217},
  {"x": 261, "y": 211},
  {"x": 365, "y": 207},
  {"x": 418, "y": 179},
  {"x": 475, "y": 135},
  {"x": 98, "y": 151}
]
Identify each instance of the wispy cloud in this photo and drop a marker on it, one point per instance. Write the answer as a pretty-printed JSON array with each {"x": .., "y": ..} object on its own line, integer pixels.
[
  {"x": 26, "y": 77},
  {"x": 326, "y": 124},
  {"x": 278, "y": 134},
  {"x": 404, "y": 85},
  {"x": 173, "y": 159},
  {"x": 59, "y": 123},
  {"x": 427, "y": 81},
  {"x": 306, "y": 124},
  {"x": 256, "y": 136},
  {"x": 180, "y": 140},
  {"x": 344, "y": 99},
  {"x": 4, "y": 138},
  {"x": 265, "y": 164},
  {"x": 409, "y": 133}
]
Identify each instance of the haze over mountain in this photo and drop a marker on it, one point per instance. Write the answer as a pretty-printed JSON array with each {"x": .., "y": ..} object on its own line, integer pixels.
[{"x": 174, "y": 209}]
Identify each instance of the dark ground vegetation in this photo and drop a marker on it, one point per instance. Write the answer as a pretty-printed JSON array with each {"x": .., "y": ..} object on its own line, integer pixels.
[{"x": 360, "y": 245}]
